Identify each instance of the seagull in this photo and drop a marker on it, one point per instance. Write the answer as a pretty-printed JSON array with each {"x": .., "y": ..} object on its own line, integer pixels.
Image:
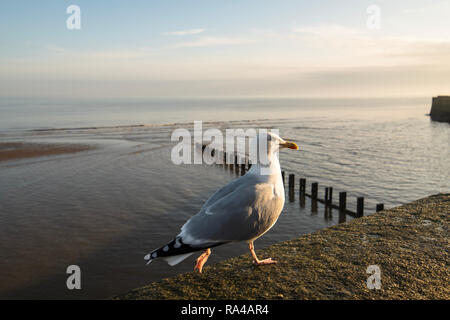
[{"x": 242, "y": 210}]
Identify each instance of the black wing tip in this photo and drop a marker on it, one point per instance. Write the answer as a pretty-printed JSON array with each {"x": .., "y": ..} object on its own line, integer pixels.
[
  {"x": 174, "y": 247},
  {"x": 177, "y": 247}
]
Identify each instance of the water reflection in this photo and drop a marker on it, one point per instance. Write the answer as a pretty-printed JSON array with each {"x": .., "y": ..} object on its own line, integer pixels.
[{"x": 104, "y": 209}]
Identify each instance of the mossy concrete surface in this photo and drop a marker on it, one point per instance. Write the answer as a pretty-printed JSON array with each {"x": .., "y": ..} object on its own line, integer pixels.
[{"x": 410, "y": 245}]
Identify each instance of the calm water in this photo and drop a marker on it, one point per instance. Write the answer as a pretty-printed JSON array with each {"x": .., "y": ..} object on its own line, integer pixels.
[{"x": 105, "y": 209}]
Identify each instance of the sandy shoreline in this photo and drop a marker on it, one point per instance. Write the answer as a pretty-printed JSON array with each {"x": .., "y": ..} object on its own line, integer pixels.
[
  {"x": 408, "y": 243},
  {"x": 21, "y": 150}
]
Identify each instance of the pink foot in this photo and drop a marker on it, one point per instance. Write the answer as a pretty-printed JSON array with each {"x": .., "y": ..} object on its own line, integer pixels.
[
  {"x": 264, "y": 262},
  {"x": 202, "y": 260}
]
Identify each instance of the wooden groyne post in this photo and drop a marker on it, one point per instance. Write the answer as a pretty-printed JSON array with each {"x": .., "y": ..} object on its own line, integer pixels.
[
  {"x": 291, "y": 181},
  {"x": 360, "y": 207},
  {"x": 342, "y": 201},
  {"x": 314, "y": 190},
  {"x": 329, "y": 196},
  {"x": 291, "y": 187},
  {"x": 243, "y": 169},
  {"x": 302, "y": 184}
]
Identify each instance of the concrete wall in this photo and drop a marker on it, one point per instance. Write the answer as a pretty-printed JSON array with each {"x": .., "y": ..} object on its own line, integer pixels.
[
  {"x": 440, "y": 109},
  {"x": 408, "y": 243}
]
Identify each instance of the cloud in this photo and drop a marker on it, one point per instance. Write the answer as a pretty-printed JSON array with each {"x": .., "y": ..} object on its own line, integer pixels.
[
  {"x": 114, "y": 54},
  {"x": 308, "y": 60},
  {"x": 214, "y": 41},
  {"x": 184, "y": 32},
  {"x": 329, "y": 30},
  {"x": 353, "y": 46},
  {"x": 440, "y": 8}
]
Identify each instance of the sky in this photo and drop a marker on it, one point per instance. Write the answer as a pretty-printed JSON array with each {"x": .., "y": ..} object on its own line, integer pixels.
[{"x": 227, "y": 48}]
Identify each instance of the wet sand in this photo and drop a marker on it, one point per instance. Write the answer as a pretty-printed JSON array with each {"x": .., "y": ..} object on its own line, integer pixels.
[
  {"x": 21, "y": 150},
  {"x": 408, "y": 243}
]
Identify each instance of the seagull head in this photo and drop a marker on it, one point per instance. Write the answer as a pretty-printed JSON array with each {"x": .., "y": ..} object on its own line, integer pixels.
[
  {"x": 274, "y": 143},
  {"x": 264, "y": 153},
  {"x": 280, "y": 142}
]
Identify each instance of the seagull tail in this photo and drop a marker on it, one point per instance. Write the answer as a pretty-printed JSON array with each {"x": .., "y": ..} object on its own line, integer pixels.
[{"x": 172, "y": 260}]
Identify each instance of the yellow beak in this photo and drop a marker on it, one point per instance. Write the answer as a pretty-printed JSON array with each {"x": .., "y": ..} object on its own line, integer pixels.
[{"x": 290, "y": 145}]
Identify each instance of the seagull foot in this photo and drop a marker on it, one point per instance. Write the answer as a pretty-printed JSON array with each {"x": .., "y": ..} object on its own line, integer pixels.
[
  {"x": 264, "y": 262},
  {"x": 256, "y": 261},
  {"x": 202, "y": 260}
]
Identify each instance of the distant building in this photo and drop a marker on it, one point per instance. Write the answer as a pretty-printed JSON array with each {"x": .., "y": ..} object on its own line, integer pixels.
[{"x": 440, "y": 109}]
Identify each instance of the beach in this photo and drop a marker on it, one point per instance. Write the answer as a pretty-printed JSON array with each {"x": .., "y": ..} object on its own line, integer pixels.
[
  {"x": 408, "y": 243},
  {"x": 20, "y": 150}
]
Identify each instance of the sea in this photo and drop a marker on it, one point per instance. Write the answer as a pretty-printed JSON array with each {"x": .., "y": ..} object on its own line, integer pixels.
[{"x": 104, "y": 209}]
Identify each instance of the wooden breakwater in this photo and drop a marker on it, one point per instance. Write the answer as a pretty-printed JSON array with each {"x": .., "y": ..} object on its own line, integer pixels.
[{"x": 241, "y": 164}]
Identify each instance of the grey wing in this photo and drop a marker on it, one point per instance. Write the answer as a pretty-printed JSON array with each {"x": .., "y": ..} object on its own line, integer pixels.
[
  {"x": 244, "y": 213},
  {"x": 228, "y": 188}
]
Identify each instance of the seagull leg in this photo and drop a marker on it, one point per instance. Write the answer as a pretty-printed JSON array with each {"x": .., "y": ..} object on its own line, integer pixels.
[
  {"x": 202, "y": 260},
  {"x": 256, "y": 261}
]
